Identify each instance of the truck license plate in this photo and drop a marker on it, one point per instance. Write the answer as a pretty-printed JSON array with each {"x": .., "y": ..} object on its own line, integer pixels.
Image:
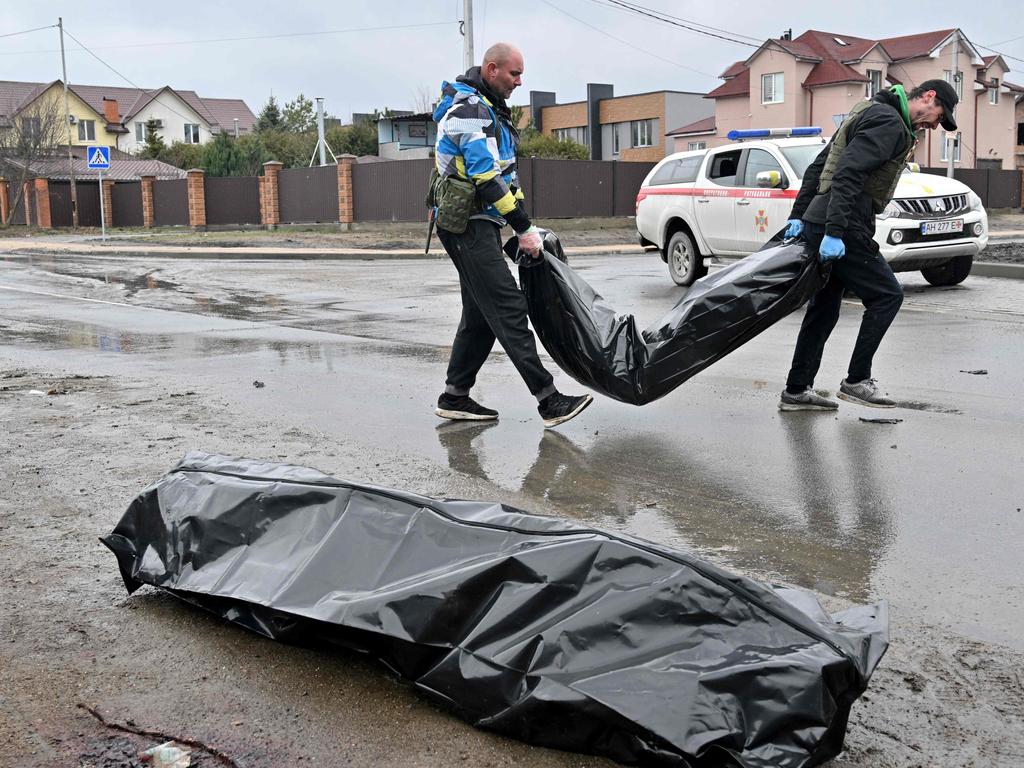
[{"x": 942, "y": 227}]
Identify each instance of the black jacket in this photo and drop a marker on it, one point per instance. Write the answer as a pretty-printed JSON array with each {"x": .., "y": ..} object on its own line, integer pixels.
[{"x": 877, "y": 135}]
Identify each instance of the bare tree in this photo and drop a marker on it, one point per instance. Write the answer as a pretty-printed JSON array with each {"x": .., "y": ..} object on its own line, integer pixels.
[
  {"x": 31, "y": 134},
  {"x": 423, "y": 99}
]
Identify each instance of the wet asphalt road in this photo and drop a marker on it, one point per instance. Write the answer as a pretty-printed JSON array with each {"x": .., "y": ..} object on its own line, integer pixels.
[{"x": 926, "y": 513}]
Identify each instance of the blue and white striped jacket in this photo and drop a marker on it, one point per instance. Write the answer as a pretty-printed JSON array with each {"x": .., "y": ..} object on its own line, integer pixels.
[{"x": 476, "y": 142}]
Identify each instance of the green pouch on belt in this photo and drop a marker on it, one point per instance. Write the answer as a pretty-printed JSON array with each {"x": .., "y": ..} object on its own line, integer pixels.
[{"x": 456, "y": 202}]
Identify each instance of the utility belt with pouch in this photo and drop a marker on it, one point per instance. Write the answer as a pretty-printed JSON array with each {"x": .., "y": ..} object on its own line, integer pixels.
[{"x": 455, "y": 200}]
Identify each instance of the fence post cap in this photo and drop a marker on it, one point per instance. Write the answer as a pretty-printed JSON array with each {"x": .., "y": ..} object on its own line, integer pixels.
[
  {"x": 272, "y": 162},
  {"x": 195, "y": 170}
]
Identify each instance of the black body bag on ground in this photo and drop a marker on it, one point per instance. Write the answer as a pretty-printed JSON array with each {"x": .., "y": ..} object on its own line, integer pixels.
[
  {"x": 606, "y": 351},
  {"x": 534, "y": 627}
]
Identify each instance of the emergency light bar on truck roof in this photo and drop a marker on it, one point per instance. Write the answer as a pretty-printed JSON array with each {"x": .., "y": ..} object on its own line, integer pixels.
[{"x": 777, "y": 133}]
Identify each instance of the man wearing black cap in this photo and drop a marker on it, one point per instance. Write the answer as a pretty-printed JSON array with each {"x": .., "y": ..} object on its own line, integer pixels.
[{"x": 851, "y": 181}]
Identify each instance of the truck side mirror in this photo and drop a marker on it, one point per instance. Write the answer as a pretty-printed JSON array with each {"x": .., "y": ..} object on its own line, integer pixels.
[
  {"x": 914, "y": 167},
  {"x": 770, "y": 180}
]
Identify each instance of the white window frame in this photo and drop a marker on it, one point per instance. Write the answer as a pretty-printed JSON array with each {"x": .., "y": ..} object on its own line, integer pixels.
[
  {"x": 947, "y": 75},
  {"x": 640, "y": 132},
  {"x": 140, "y": 132},
  {"x": 85, "y": 127},
  {"x": 776, "y": 92},
  {"x": 615, "y": 138},
  {"x": 993, "y": 91},
  {"x": 193, "y": 134},
  {"x": 874, "y": 84},
  {"x": 695, "y": 145},
  {"x": 945, "y": 145}
]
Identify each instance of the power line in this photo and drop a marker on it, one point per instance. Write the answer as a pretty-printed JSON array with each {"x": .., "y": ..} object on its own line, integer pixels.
[
  {"x": 250, "y": 37},
  {"x": 25, "y": 32},
  {"x": 1004, "y": 55},
  {"x": 146, "y": 91},
  {"x": 627, "y": 43},
  {"x": 692, "y": 26}
]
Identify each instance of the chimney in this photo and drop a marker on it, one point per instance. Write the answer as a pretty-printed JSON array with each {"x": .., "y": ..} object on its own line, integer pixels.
[
  {"x": 787, "y": 35},
  {"x": 110, "y": 112}
]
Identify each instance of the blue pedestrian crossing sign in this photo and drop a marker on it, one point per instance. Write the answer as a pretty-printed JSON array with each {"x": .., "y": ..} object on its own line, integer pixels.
[{"x": 98, "y": 157}]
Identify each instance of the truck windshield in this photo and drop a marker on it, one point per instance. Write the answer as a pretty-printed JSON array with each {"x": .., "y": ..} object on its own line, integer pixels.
[{"x": 801, "y": 157}]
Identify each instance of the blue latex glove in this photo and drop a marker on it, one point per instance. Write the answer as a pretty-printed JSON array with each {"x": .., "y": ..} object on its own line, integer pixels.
[
  {"x": 831, "y": 248},
  {"x": 794, "y": 228}
]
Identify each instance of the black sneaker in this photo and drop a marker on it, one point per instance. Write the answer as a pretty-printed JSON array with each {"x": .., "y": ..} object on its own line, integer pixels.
[
  {"x": 558, "y": 408},
  {"x": 463, "y": 408}
]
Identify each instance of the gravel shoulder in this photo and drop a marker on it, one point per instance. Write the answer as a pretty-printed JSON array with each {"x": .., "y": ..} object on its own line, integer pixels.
[{"x": 70, "y": 635}]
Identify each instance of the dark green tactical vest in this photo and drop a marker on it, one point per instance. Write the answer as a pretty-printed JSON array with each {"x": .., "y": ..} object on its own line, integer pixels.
[{"x": 881, "y": 184}]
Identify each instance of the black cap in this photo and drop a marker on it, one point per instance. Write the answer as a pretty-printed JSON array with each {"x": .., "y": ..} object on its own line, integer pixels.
[{"x": 945, "y": 94}]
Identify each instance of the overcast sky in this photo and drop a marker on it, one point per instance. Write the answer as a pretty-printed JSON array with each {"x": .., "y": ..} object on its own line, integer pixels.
[{"x": 566, "y": 43}]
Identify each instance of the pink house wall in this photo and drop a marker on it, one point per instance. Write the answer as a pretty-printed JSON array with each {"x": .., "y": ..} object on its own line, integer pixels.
[{"x": 793, "y": 109}]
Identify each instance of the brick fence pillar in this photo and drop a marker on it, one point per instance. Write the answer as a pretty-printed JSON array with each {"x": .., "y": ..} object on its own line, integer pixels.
[
  {"x": 43, "y": 218},
  {"x": 148, "y": 212},
  {"x": 346, "y": 198},
  {"x": 271, "y": 193},
  {"x": 107, "y": 201},
  {"x": 5, "y": 201},
  {"x": 196, "y": 198}
]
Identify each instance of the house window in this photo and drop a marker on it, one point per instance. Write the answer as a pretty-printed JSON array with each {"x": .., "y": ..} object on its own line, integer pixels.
[
  {"x": 947, "y": 75},
  {"x": 1020, "y": 133},
  {"x": 32, "y": 128},
  {"x": 641, "y": 131},
  {"x": 615, "y": 139},
  {"x": 140, "y": 132},
  {"x": 579, "y": 134},
  {"x": 87, "y": 130},
  {"x": 946, "y": 139},
  {"x": 993, "y": 91},
  {"x": 191, "y": 133},
  {"x": 772, "y": 90},
  {"x": 874, "y": 84},
  {"x": 692, "y": 145}
]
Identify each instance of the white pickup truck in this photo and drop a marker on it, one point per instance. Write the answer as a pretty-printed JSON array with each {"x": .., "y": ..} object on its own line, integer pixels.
[{"x": 728, "y": 201}]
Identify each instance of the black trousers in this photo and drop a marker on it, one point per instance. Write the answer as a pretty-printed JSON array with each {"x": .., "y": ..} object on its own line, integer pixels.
[
  {"x": 866, "y": 273},
  {"x": 493, "y": 307}
]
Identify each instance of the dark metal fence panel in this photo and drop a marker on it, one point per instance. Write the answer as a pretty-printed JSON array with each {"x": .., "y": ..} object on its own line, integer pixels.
[
  {"x": 1004, "y": 189},
  {"x": 232, "y": 200},
  {"x": 18, "y": 219},
  {"x": 564, "y": 189},
  {"x": 307, "y": 195},
  {"x": 60, "y": 204},
  {"x": 30, "y": 205},
  {"x": 390, "y": 190},
  {"x": 170, "y": 202},
  {"x": 88, "y": 194},
  {"x": 628, "y": 179},
  {"x": 126, "y": 199},
  {"x": 976, "y": 179}
]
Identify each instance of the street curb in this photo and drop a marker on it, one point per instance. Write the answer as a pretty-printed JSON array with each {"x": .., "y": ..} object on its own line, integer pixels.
[
  {"x": 293, "y": 254},
  {"x": 995, "y": 269}
]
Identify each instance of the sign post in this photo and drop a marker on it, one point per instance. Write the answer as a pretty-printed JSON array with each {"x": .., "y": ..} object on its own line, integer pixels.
[{"x": 98, "y": 158}]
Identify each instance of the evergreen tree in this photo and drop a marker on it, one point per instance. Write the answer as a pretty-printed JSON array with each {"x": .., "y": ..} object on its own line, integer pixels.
[
  {"x": 154, "y": 148},
  {"x": 270, "y": 117},
  {"x": 299, "y": 115}
]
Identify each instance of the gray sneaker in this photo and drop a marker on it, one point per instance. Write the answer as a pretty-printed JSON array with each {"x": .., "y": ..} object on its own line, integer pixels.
[
  {"x": 865, "y": 392},
  {"x": 808, "y": 400}
]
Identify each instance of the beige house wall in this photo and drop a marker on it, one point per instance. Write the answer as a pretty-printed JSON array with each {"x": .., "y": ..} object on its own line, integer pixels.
[
  {"x": 829, "y": 100},
  {"x": 793, "y": 110},
  {"x": 732, "y": 112},
  {"x": 997, "y": 129},
  {"x": 1019, "y": 121},
  {"x": 563, "y": 116}
]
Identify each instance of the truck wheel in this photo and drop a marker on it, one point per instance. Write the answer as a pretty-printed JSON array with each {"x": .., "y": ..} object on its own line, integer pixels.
[
  {"x": 685, "y": 264},
  {"x": 952, "y": 272}
]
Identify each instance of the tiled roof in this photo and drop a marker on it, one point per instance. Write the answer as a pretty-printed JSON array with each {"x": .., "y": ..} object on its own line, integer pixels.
[
  {"x": 733, "y": 70},
  {"x": 707, "y": 125},
  {"x": 120, "y": 170},
  {"x": 826, "y": 46},
  {"x": 912, "y": 46},
  {"x": 832, "y": 71},
  {"x": 13, "y": 95},
  {"x": 225, "y": 111},
  {"x": 737, "y": 86},
  {"x": 799, "y": 49}
]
